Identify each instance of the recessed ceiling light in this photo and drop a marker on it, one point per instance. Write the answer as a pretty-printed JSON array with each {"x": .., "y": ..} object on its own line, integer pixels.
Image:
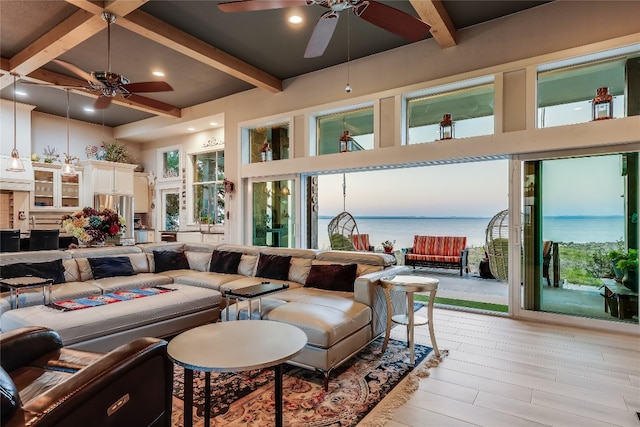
[
  {"x": 191, "y": 128},
  {"x": 20, "y": 93},
  {"x": 577, "y": 109},
  {"x": 295, "y": 19},
  {"x": 214, "y": 123},
  {"x": 89, "y": 109},
  {"x": 158, "y": 73}
]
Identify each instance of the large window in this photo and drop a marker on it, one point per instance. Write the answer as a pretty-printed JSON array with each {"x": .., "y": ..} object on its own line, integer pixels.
[
  {"x": 471, "y": 110},
  {"x": 208, "y": 187},
  {"x": 331, "y": 127}
]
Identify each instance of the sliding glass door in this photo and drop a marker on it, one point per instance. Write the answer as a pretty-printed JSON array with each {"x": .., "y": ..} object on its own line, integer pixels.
[
  {"x": 273, "y": 209},
  {"x": 580, "y": 212}
]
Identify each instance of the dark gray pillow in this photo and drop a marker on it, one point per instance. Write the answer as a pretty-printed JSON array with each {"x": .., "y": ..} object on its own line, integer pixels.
[
  {"x": 273, "y": 267},
  {"x": 333, "y": 277},
  {"x": 9, "y": 396},
  {"x": 170, "y": 260},
  {"x": 47, "y": 270},
  {"x": 112, "y": 266},
  {"x": 225, "y": 262}
]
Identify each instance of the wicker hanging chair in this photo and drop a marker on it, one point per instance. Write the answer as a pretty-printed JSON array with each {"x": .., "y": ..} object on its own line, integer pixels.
[
  {"x": 341, "y": 228},
  {"x": 497, "y": 245}
]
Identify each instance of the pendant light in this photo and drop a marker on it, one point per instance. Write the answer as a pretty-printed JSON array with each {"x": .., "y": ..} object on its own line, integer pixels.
[
  {"x": 68, "y": 167},
  {"x": 15, "y": 164}
]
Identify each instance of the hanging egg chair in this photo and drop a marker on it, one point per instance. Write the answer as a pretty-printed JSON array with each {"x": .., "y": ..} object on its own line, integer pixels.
[{"x": 497, "y": 245}]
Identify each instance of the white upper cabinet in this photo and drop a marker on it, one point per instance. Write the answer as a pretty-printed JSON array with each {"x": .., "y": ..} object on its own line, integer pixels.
[{"x": 101, "y": 177}]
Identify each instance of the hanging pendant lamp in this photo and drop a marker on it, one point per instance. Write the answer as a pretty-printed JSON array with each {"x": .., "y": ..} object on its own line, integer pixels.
[
  {"x": 68, "y": 168},
  {"x": 15, "y": 164}
]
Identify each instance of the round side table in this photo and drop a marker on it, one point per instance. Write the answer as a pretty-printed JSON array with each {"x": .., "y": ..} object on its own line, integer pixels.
[{"x": 409, "y": 285}]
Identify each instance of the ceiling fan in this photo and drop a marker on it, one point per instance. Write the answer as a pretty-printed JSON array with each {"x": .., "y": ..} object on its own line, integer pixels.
[
  {"x": 386, "y": 17},
  {"x": 106, "y": 84}
]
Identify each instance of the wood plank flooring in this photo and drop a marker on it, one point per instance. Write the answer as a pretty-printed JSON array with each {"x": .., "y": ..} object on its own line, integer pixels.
[{"x": 506, "y": 372}]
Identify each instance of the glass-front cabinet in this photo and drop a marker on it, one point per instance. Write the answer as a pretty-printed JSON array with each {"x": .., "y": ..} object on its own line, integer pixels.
[{"x": 52, "y": 190}]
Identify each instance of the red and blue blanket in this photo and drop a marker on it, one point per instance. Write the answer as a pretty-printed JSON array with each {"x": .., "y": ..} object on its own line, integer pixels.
[{"x": 110, "y": 298}]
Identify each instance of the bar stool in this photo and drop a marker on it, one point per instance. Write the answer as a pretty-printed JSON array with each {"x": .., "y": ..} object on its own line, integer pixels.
[
  {"x": 409, "y": 285},
  {"x": 9, "y": 240}
]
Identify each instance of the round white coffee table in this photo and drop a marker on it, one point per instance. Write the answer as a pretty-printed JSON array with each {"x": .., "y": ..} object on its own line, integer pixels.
[
  {"x": 409, "y": 285},
  {"x": 230, "y": 347}
]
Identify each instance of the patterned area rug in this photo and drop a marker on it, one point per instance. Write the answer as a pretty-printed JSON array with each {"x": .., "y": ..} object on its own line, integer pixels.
[{"x": 247, "y": 398}]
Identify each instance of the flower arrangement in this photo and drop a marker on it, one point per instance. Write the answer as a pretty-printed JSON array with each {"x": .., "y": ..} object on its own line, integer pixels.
[
  {"x": 388, "y": 245},
  {"x": 91, "y": 226}
]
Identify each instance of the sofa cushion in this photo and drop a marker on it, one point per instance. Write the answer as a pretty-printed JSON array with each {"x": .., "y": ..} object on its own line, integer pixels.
[
  {"x": 105, "y": 267},
  {"x": 273, "y": 267},
  {"x": 48, "y": 270},
  {"x": 247, "y": 266},
  {"x": 169, "y": 260},
  {"x": 332, "y": 277},
  {"x": 225, "y": 262}
]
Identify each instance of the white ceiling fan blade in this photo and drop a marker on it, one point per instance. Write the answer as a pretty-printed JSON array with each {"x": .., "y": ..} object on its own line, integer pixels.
[
  {"x": 77, "y": 70},
  {"x": 322, "y": 34}
]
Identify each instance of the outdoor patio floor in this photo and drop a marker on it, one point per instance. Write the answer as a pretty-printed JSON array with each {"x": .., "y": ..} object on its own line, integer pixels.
[{"x": 584, "y": 301}]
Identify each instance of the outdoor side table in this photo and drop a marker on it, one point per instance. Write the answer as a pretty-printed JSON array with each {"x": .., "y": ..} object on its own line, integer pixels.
[
  {"x": 19, "y": 284},
  {"x": 410, "y": 285},
  {"x": 230, "y": 347}
]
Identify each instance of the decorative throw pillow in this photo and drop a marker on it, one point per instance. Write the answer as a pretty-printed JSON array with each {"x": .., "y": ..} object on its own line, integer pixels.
[
  {"x": 273, "y": 267},
  {"x": 225, "y": 262},
  {"x": 112, "y": 266},
  {"x": 47, "y": 270},
  {"x": 170, "y": 260},
  {"x": 332, "y": 277}
]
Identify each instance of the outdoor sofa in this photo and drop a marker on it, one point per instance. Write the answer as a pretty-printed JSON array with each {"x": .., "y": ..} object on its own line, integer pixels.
[
  {"x": 438, "y": 252},
  {"x": 333, "y": 296}
]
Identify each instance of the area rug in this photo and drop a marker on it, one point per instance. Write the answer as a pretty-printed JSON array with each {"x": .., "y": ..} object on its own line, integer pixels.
[{"x": 247, "y": 398}]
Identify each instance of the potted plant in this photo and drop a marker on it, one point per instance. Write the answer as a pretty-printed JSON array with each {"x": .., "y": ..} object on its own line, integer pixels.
[
  {"x": 628, "y": 264},
  {"x": 387, "y": 245}
]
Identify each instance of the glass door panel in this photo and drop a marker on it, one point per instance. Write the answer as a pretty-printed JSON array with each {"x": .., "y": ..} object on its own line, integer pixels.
[
  {"x": 576, "y": 212},
  {"x": 273, "y": 213},
  {"x": 43, "y": 194},
  {"x": 70, "y": 191},
  {"x": 170, "y": 210}
]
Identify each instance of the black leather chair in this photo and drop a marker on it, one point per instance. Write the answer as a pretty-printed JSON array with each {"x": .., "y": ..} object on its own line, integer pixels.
[
  {"x": 9, "y": 240},
  {"x": 45, "y": 384},
  {"x": 44, "y": 240}
]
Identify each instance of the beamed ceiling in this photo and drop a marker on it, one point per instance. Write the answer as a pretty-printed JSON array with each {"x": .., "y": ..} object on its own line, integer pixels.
[{"x": 205, "y": 53}]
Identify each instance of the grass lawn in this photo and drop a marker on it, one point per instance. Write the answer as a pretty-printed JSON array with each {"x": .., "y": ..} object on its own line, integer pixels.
[{"x": 501, "y": 308}]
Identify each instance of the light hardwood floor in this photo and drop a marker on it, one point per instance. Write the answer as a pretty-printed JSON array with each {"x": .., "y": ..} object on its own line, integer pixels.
[{"x": 506, "y": 372}]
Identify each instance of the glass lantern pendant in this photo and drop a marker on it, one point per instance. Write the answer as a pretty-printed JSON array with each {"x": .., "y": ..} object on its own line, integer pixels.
[
  {"x": 446, "y": 127},
  {"x": 602, "y": 104},
  {"x": 346, "y": 142}
]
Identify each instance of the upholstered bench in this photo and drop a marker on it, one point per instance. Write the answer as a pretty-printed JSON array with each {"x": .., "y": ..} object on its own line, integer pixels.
[
  {"x": 438, "y": 252},
  {"x": 104, "y": 327}
]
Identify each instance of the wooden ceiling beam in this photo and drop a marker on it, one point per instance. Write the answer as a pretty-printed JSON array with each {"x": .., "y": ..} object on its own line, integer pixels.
[
  {"x": 435, "y": 14},
  {"x": 160, "y": 32},
  {"x": 141, "y": 103},
  {"x": 64, "y": 36},
  {"x": 117, "y": 7}
]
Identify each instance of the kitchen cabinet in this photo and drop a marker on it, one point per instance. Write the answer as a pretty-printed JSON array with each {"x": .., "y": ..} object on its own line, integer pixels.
[
  {"x": 101, "y": 177},
  {"x": 52, "y": 190},
  {"x": 140, "y": 192}
]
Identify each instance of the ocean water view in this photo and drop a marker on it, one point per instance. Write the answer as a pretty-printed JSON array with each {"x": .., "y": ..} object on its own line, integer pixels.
[{"x": 576, "y": 229}]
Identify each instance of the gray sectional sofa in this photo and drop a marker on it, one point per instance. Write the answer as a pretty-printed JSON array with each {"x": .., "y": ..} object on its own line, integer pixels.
[{"x": 333, "y": 296}]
